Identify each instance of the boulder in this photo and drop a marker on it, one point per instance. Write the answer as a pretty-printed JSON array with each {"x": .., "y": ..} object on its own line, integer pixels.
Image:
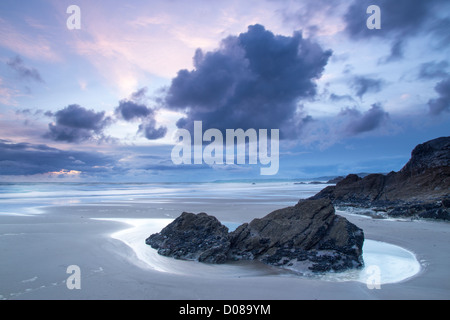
[
  {"x": 308, "y": 234},
  {"x": 306, "y": 237},
  {"x": 193, "y": 237}
]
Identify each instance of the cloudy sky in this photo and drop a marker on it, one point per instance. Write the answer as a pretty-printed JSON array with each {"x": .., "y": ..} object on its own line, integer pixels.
[{"x": 104, "y": 102}]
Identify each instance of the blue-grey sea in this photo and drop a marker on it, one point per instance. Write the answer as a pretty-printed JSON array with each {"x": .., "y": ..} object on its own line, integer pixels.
[{"x": 27, "y": 198}]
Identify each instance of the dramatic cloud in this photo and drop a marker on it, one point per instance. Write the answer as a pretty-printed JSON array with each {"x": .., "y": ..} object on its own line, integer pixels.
[
  {"x": 363, "y": 85},
  {"x": 30, "y": 159},
  {"x": 134, "y": 109},
  {"x": 76, "y": 124},
  {"x": 150, "y": 130},
  {"x": 254, "y": 80},
  {"x": 349, "y": 122},
  {"x": 442, "y": 103},
  {"x": 130, "y": 110},
  {"x": 358, "y": 122},
  {"x": 400, "y": 20},
  {"x": 23, "y": 71}
]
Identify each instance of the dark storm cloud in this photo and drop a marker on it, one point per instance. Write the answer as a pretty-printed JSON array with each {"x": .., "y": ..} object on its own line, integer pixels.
[
  {"x": 23, "y": 71},
  {"x": 442, "y": 103},
  {"x": 76, "y": 124},
  {"x": 130, "y": 110},
  {"x": 30, "y": 159},
  {"x": 358, "y": 122},
  {"x": 254, "y": 80},
  {"x": 136, "y": 109},
  {"x": 400, "y": 20},
  {"x": 364, "y": 84},
  {"x": 150, "y": 130}
]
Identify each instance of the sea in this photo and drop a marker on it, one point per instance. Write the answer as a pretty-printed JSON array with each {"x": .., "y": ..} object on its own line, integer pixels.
[{"x": 28, "y": 198}]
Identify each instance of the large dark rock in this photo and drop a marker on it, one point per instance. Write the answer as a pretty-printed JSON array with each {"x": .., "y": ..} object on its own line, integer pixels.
[
  {"x": 193, "y": 237},
  {"x": 419, "y": 189},
  {"x": 306, "y": 237},
  {"x": 308, "y": 234}
]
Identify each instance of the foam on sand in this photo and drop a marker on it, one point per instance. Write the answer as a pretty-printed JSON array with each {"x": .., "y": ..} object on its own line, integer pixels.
[
  {"x": 383, "y": 263},
  {"x": 141, "y": 229}
]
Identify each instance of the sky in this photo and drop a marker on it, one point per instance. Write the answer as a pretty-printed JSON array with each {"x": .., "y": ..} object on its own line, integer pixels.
[{"x": 101, "y": 93}]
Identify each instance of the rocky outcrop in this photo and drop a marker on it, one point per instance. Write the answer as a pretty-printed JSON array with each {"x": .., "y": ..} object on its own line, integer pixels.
[
  {"x": 420, "y": 189},
  {"x": 193, "y": 237},
  {"x": 429, "y": 155},
  {"x": 308, "y": 234},
  {"x": 306, "y": 237}
]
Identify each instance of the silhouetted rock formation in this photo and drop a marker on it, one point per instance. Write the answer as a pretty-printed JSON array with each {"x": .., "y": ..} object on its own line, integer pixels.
[
  {"x": 420, "y": 189},
  {"x": 193, "y": 237},
  {"x": 307, "y": 236}
]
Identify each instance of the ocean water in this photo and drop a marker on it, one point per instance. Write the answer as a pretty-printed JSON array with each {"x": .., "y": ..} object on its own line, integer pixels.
[{"x": 28, "y": 198}]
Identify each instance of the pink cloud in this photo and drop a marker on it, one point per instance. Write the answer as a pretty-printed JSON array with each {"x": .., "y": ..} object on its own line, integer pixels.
[
  {"x": 8, "y": 95},
  {"x": 33, "y": 47}
]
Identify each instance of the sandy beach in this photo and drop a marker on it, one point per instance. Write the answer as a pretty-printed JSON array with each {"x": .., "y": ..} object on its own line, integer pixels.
[
  {"x": 37, "y": 248},
  {"x": 119, "y": 117}
]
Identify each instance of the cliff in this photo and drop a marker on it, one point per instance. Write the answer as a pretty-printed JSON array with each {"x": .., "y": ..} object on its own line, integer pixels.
[{"x": 420, "y": 189}]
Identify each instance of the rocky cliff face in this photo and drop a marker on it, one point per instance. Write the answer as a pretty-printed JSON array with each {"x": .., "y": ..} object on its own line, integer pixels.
[
  {"x": 429, "y": 155},
  {"x": 306, "y": 237},
  {"x": 420, "y": 189}
]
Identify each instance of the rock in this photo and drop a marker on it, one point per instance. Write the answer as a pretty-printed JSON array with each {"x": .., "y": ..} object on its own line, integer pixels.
[
  {"x": 307, "y": 234},
  {"x": 335, "y": 180},
  {"x": 427, "y": 210},
  {"x": 306, "y": 237},
  {"x": 431, "y": 154},
  {"x": 423, "y": 182},
  {"x": 193, "y": 237}
]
